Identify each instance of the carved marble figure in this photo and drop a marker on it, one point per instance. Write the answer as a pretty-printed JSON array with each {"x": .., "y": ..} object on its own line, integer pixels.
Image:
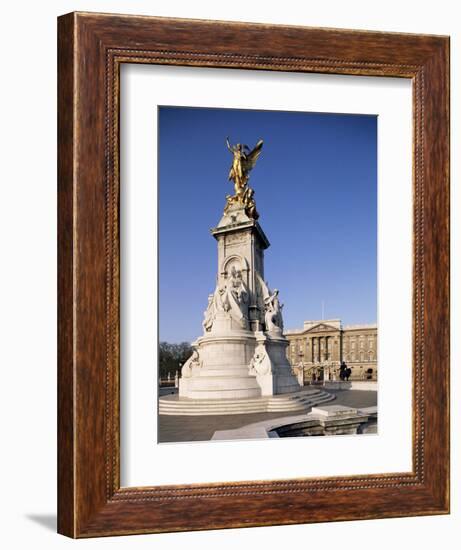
[
  {"x": 193, "y": 361},
  {"x": 273, "y": 316}
]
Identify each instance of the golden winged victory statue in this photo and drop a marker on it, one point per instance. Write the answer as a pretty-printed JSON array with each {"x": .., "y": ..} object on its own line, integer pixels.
[{"x": 243, "y": 162}]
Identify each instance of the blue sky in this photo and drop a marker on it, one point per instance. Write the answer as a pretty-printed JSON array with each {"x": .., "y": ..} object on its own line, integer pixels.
[{"x": 316, "y": 191}]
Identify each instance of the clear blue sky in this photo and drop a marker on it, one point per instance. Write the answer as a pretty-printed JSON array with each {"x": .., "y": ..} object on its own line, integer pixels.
[{"x": 316, "y": 191}]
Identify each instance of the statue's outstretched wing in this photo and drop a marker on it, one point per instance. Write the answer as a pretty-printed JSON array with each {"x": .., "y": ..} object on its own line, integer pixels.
[
  {"x": 253, "y": 156},
  {"x": 264, "y": 290}
]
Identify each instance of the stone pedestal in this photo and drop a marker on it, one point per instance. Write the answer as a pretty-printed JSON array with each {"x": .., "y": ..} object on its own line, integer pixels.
[
  {"x": 242, "y": 352},
  {"x": 270, "y": 365},
  {"x": 223, "y": 368}
]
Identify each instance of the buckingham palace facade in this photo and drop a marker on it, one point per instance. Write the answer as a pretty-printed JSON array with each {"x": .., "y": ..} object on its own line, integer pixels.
[{"x": 319, "y": 348}]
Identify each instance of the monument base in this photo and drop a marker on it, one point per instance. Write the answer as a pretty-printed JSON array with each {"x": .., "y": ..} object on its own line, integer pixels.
[
  {"x": 222, "y": 370},
  {"x": 241, "y": 364}
]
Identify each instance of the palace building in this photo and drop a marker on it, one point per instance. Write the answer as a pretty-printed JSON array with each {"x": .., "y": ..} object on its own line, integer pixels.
[{"x": 320, "y": 347}]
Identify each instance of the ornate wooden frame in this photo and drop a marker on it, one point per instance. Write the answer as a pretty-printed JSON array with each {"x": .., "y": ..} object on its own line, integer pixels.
[{"x": 91, "y": 49}]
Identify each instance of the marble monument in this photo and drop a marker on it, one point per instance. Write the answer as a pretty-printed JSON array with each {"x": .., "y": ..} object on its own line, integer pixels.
[{"x": 242, "y": 352}]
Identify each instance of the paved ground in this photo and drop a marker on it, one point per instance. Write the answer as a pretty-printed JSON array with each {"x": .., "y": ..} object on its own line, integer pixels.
[
  {"x": 201, "y": 428},
  {"x": 167, "y": 391}
]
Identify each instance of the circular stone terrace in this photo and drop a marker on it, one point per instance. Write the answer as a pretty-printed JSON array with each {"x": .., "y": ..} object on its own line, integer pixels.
[{"x": 202, "y": 427}]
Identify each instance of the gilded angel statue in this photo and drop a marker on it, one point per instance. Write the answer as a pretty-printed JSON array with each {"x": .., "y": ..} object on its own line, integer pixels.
[{"x": 243, "y": 162}]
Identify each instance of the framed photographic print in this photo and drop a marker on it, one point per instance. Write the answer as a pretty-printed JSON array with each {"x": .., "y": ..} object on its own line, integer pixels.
[{"x": 253, "y": 275}]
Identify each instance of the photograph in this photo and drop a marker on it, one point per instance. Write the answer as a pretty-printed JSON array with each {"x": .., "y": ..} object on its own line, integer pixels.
[{"x": 267, "y": 270}]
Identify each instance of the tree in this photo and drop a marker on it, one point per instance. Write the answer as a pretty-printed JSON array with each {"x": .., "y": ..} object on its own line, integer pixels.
[{"x": 171, "y": 357}]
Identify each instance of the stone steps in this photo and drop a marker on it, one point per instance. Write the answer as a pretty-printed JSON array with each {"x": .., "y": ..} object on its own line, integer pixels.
[
  {"x": 299, "y": 401},
  {"x": 279, "y": 397}
]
